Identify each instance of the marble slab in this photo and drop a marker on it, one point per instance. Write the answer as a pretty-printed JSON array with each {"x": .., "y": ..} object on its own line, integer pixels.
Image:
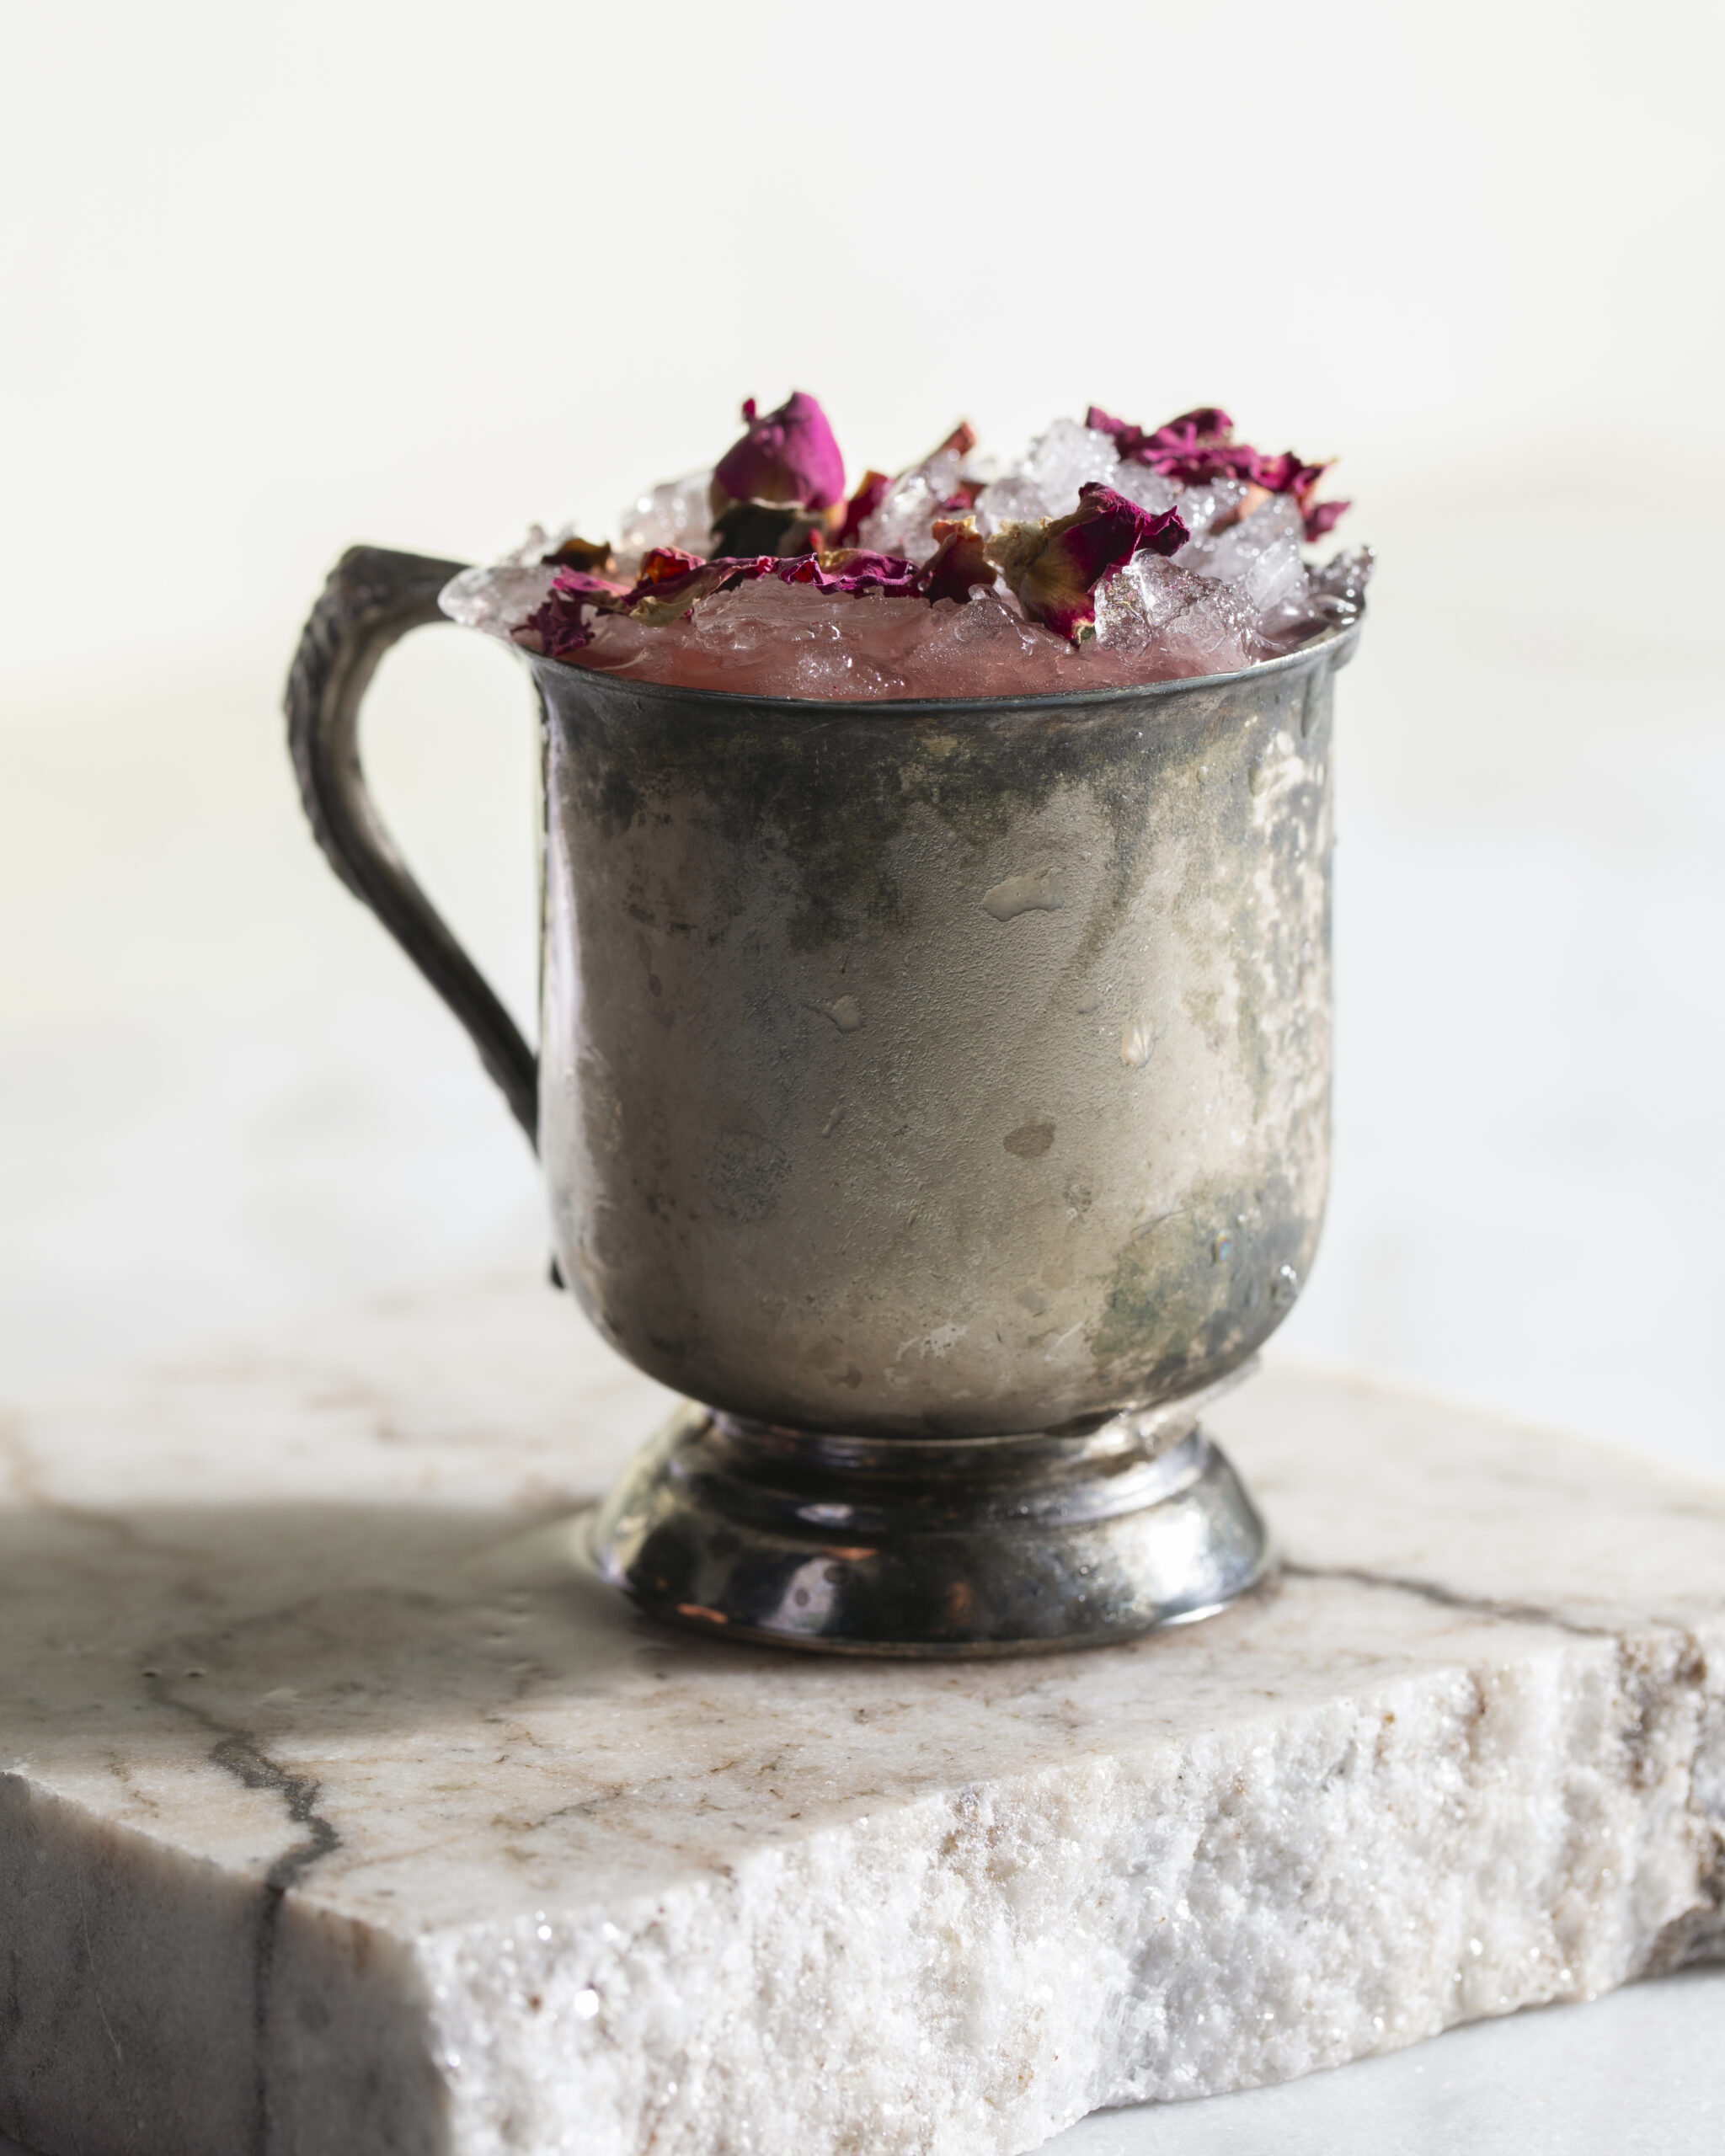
[{"x": 337, "y": 1814}]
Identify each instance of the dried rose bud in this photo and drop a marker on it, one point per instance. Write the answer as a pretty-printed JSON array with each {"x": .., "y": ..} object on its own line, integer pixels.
[
  {"x": 789, "y": 456},
  {"x": 862, "y": 505},
  {"x": 1055, "y": 565},
  {"x": 959, "y": 564}
]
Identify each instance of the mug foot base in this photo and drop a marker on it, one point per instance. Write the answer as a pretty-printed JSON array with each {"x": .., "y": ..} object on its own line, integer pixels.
[{"x": 930, "y": 1546}]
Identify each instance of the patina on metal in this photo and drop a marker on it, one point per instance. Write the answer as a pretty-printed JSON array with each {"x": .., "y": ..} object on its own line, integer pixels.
[
  {"x": 921, "y": 1086},
  {"x": 932, "y": 1545}
]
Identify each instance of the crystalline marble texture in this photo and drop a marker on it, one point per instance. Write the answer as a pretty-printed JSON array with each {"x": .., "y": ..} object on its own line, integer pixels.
[{"x": 337, "y": 1813}]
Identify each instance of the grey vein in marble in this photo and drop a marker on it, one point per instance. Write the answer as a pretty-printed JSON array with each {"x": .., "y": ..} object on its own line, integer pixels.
[{"x": 338, "y": 1815}]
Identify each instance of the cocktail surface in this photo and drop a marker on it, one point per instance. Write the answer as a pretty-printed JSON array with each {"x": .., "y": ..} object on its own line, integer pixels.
[{"x": 1107, "y": 555}]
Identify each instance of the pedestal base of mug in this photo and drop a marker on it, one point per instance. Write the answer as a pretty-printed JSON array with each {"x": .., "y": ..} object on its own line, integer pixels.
[{"x": 930, "y": 1546}]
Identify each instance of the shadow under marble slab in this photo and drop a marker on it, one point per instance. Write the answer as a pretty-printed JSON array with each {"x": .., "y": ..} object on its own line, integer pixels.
[{"x": 337, "y": 1814}]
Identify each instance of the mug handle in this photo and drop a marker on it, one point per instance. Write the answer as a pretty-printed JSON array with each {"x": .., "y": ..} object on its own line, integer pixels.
[{"x": 373, "y": 599}]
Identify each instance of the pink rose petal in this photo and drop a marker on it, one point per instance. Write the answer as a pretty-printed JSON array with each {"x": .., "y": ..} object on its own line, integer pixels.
[
  {"x": 853, "y": 569},
  {"x": 958, "y": 565},
  {"x": 862, "y": 505},
  {"x": 1055, "y": 565}
]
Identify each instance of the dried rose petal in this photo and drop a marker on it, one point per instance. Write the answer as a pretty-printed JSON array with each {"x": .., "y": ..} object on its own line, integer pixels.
[
  {"x": 1287, "y": 475},
  {"x": 668, "y": 585},
  {"x": 660, "y": 564},
  {"x": 959, "y": 564},
  {"x": 561, "y": 625},
  {"x": 578, "y": 586},
  {"x": 789, "y": 456},
  {"x": 559, "y": 628},
  {"x": 1207, "y": 422},
  {"x": 862, "y": 505},
  {"x": 1053, "y": 566},
  {"x": 1322, "y": 517},
  {"x": 958, "y": 444},
  {"x": 852, "y": 569},
  {"x": 1123, "y": 432},
  {"x": 1199, "y": 445},
  {"x": 671, "y": 582},
  {"x": 902, "y": 520},
  {"x": 591, "y": 554}
]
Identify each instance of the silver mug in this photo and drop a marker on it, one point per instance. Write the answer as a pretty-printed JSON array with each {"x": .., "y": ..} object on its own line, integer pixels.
[{"x": 937, "y": 1093}]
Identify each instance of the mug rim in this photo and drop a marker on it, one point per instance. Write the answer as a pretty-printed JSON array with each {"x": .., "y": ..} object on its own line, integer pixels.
[{"x": 1331, "y": 639}]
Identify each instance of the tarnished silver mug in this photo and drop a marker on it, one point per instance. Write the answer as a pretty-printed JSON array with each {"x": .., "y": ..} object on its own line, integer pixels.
[{"x": 938, "y": 1093}]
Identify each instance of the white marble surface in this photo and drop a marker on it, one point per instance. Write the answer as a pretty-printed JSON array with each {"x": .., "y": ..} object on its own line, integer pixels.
[
  {"x": 1639, "y": 2074},
  {"x": 336, "y": 1814}
]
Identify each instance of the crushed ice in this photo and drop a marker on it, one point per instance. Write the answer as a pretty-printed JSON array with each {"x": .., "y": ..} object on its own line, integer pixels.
[{"x": 1239, "y": 589}]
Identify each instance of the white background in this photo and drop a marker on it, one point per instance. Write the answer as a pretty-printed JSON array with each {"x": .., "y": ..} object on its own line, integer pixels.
[{"x": 279, "y": 279}]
